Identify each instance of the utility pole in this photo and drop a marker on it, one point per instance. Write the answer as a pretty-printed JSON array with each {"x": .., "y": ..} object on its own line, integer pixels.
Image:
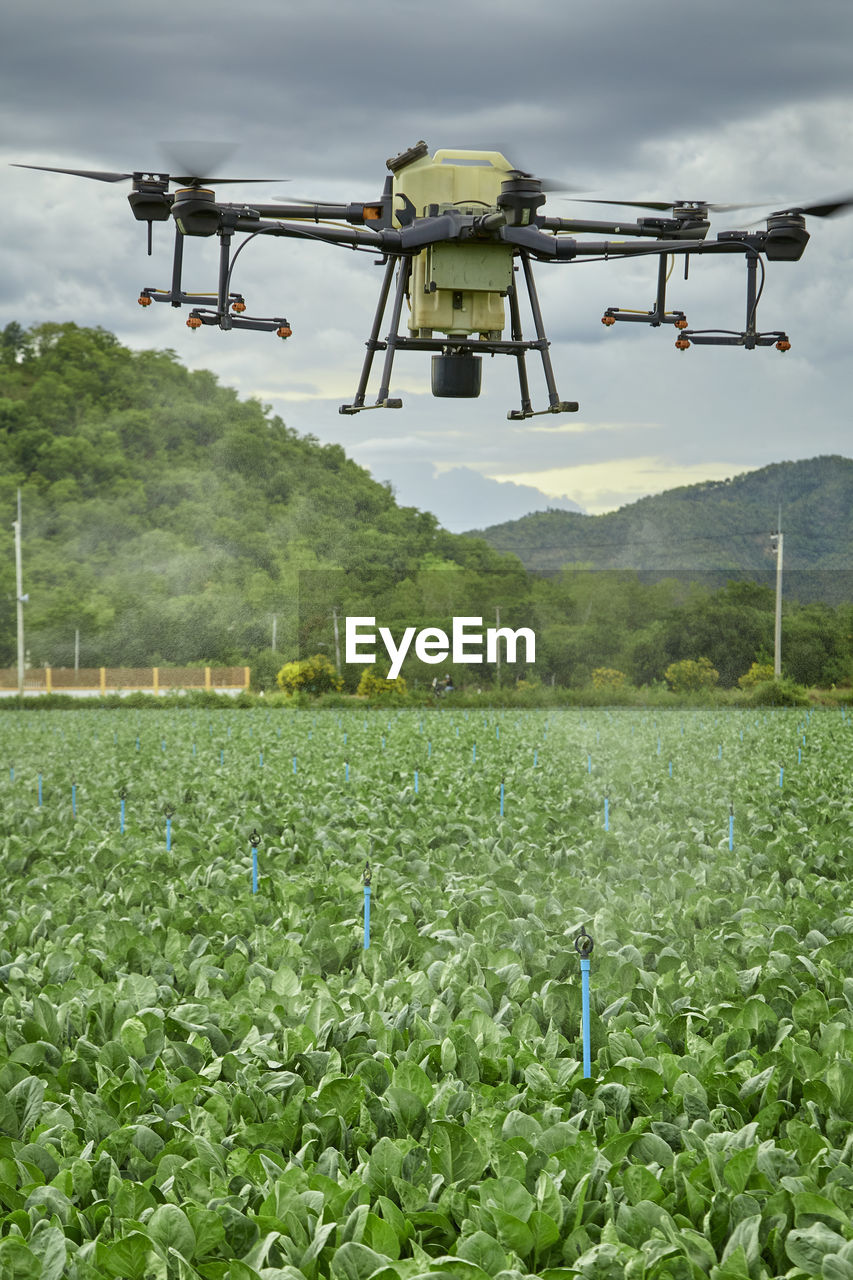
[
  {"x": 337, "y": 641},
  {"x": 777, "y": 540},
  {"x": 498, "y": 647},
  {"x": 19, "y": 595}
]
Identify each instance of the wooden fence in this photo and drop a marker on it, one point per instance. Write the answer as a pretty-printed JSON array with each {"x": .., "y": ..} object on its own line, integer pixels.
[{"x": 125, "y": 679}]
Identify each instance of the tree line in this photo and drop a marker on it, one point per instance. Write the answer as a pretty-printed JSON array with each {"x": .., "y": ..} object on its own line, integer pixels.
[{"x": 166, "y": 521}]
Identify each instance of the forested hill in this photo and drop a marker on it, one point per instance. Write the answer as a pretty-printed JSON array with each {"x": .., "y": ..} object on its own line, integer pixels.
[
  {"x": 722, "y": 526},
  {"x": 166, "y": 519}
]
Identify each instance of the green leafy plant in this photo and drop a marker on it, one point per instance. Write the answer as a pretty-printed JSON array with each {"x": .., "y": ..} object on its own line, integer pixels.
[
  {"x": 310, "y": 675},
  {"x": 691, "y": 675}
]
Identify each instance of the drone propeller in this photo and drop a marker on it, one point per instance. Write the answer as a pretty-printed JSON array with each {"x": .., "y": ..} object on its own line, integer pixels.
[
  {"x": 545, "y": 184},
  {"x": 822, "y": 209},
  {"x": 661, "y": 206},
  {"x": 181, "y": 180}
]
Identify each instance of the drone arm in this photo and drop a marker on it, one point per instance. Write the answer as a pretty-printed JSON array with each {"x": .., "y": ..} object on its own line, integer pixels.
[
  {"x": 585, "y": 225},
  {"x": 380, "y": 241}
]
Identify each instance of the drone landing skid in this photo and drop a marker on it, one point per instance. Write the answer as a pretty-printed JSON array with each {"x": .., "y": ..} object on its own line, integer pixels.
[{"x": 456, "y": 364}]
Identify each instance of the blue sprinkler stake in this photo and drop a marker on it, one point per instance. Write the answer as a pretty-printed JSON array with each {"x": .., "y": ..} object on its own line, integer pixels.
[
  {"x": 584, "y": 945},
  {"x": 254, "y": 841},
  {"x": 607, "y": 813},
  {"x": 416, "y": 782},
  {"x": 366, "y": 877},
  {"x": 122, "y": 797},
  {"x": 502, "y": 797},
  {"x": 731, "y": 827},
  {"x": 74, "y": 798},
  {"x": 169, "y": 812}
]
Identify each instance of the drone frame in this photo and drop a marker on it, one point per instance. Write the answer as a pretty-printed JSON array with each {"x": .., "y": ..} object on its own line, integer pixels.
[{"x": 391, "y": 230}]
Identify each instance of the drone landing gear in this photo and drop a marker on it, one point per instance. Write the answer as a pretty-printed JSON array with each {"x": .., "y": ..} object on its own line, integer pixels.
[{"x": 456, "y": 364}]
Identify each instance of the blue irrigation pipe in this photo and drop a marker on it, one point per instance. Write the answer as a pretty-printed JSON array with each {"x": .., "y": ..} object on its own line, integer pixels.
[
  {"x": 366, "y": 877},
  {"x": 416, "y": 782},
  {"x": 503, "y": 789},
  {"x": 254, "y": 841},
  {"x": 607, "y": 813},
  {"x": 168, "y": 813},
  {"x": 584, "y": 945},
  {"x": 731, "y": 827}
]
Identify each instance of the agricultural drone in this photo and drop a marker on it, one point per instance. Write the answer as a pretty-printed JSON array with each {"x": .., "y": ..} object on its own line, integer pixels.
[{"x": 456, "y": 232}]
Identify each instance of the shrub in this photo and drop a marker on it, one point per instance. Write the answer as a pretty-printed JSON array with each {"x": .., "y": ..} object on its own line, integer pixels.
[
  {"x": 691, "y": 675},
  {"x": 372, "y": 685},
  {"x": 608, "y": 678},
  {"x": 310, "y": 675},
  {"x": 779, "y": 693},
  {"x": 758, "y": 673}
]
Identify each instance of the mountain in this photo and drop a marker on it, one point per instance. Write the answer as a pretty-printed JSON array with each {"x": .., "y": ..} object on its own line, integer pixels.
[
  {"x": 461, "y": 496},
  {"x": 166, "y": 520},
  {"x": 721, "y": 529}
]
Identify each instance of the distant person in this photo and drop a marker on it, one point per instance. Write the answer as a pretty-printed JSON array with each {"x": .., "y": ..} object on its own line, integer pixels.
[{"x": 448, "y": 683}]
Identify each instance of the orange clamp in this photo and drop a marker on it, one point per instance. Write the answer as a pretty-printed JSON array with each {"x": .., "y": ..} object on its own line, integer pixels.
[
  {"x": 783, "y": 345},
  {"x": 144, "y": 300},
  {"x": 682, "y": 344},
  {"x": 238, "y": 307},
  {"x": 194, "y": 322},
  {"x": 284, "y": 331},
  {"x": 681, "y": 324},
  {"x": 605, "y": 319}
]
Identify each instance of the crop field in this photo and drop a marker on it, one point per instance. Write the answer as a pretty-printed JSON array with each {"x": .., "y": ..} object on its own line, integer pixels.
[{"x": 204, "y": 1072}]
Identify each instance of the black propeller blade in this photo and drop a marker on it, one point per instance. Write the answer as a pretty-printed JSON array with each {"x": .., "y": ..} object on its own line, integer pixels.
[
  {"x": 661, "y": 206},
  {"x": 182, "y": 180},
  {"x": 820, "y": 209},
  {"x": 823, "y": 208},
  {"x": 98, "y": 175}
]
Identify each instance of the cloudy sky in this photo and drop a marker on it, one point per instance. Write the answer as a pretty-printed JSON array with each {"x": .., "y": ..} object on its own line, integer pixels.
[{"x": 728, "y": 102}]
